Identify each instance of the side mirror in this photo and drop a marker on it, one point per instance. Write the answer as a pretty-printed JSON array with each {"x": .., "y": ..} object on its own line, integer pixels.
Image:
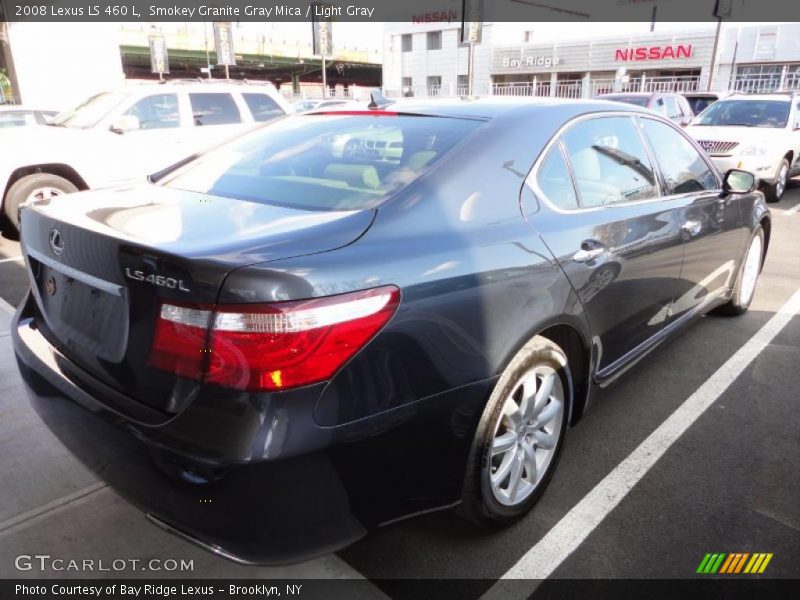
[
  {"x": 796, "y": 126},
  {"x": 124, "y": 124},
  {"x": 737, "y": 181}
]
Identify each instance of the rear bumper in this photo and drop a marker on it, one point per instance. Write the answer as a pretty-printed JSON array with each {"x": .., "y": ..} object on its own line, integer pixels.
[{"x": 308, "y": 491}]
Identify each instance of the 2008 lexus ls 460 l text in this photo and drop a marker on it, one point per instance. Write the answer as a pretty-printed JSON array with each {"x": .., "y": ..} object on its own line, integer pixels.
[{"x": 347, "y": 318}]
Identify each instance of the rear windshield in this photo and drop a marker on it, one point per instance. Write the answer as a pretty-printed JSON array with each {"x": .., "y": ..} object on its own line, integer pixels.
[
  {"x": 637, "y": 100},
  {"x": 324, "y": 162}
]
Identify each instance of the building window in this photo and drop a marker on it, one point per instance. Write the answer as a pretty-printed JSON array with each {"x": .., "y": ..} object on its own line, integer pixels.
[
  {"x": 405, "y": 42},
  {"x": 766, "y": 78},
  {"x": 434, "y": 40},
  {"x": 434, "y": 84},
  {"x": 463, "y": 85}
]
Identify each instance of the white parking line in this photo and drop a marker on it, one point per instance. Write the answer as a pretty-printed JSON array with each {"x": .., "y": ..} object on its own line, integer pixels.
[
  {"x": 791, "y": 211},
  {"x": 570, "y": 532},
  {"x": 5, "y": 260},
  {"x": 12, "y": 524}
]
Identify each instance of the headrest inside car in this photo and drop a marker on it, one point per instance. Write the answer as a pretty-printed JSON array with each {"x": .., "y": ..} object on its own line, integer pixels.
[{"x": 360, "y": 176}]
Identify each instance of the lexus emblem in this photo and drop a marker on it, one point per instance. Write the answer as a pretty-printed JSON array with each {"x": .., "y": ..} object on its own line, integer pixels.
[{"x": 56, "y": 242}]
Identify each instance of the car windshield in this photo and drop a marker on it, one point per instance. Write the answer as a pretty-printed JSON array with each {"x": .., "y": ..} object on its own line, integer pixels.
[
  {"x": 324, "y": 162},
  {"x": 88, "y": 113},
  {"x": 637, "y": 100},
  {"x": 746, "y": 113}
]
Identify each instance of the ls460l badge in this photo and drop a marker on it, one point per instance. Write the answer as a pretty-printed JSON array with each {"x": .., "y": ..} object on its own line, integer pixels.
[{"x": 159, "y": 280}]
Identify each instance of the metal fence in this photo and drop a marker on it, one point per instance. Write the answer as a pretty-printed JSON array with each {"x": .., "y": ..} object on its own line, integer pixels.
[
  {"x": 767, "y": 83},
  {"x": 584, "y": 88},
  {"x": 588, "y": 87}
]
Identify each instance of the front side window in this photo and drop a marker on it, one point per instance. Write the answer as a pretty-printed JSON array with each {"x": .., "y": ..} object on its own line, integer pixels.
[
  {"x": 683, "y": 168},
  {"x": 434, "y": 40},
  {"x": 214, "y": 109},
  {"x": 324, "y": 162},
  {"x": 746, "y": 113},
  {"x": 156, "y": 112},
  {"x": 699, "y": 103},
  {"x": 609, "y": 162},
  {"x": 554, "y": 180},
  {"x": 262, "y": 107}
]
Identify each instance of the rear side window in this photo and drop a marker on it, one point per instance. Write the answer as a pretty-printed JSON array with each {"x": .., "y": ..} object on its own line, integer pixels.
[
  {"x": 671, "y": 106},
  {"x": 262, "y": 107},
  {"x": 683, "y": 168},
  {"x": 554, "y": 180},
  {"x": 214, "y": 109},
  {"x": 156, "y": 112},
  {"x": 609, "y": 162},
  {"x": 324, "y": 162}
]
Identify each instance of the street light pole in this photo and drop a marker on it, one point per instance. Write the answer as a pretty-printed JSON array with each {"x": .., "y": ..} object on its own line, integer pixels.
[
  {"x": 714, "y": 55},
  {"x": 324, "y": 78}
]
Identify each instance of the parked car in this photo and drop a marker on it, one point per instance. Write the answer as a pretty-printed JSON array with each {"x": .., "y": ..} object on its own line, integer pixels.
[
  {"x": 121, "y": 136},
  {"x": 311, "y": 104},
  {"x": 699, "y": 101},
  {"x": 760, "y": 134},
  {"x": 284, "y": 348},
  {"x": 21, "y": 116},
  {"x": 671, "y": 105}
]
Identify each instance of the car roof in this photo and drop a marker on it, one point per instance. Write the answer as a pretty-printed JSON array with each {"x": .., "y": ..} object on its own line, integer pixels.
[
  {"x": 195, "y": 85},
  {"x": 490, "y": 108},
  {"x": 779, "y": 97}
]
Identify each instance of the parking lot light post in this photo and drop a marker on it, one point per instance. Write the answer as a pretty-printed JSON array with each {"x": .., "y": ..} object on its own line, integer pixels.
[{"x": 714, "y": 55}]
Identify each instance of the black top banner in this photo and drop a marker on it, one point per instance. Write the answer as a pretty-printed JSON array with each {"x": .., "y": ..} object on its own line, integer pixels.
[{"x": 408, "y": 11}]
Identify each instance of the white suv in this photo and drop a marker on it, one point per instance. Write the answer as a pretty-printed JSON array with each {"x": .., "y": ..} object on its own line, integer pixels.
[
  {"x": 117, "y": 137},
  {"x": 757, "y": 133}
]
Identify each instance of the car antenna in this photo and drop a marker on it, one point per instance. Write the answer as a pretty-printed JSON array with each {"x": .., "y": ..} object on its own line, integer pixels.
[{"x": 378, "y": 100}]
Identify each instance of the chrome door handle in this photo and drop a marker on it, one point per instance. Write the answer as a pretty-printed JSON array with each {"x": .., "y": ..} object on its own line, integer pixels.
[
  {"x": 588, "y": 252},
  {"x": 692, "y": 227}
]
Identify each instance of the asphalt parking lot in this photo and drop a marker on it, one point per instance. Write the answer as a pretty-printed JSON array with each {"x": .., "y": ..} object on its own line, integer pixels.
[{"x": 729, "y": 482}]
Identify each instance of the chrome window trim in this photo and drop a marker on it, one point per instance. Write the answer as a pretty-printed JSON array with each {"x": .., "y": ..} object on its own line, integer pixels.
[
  {"x": 703, "y": 154},
  {"x": 532, "y": 179}
]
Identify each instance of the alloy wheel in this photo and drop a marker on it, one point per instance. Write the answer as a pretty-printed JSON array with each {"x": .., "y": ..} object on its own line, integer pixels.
[
  {"x": 42, "y": 193},
  {"x": 780, "y": 184},
  {"x": 526, "y": 435},
  {"x": 752, "y": 265}
]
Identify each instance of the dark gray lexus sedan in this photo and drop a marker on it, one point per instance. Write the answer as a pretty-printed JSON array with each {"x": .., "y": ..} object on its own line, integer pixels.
[{"x": 346, "y": 318}]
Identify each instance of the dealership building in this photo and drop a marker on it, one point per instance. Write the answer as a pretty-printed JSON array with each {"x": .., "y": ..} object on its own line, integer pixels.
[{"x": 429, "y": 60}]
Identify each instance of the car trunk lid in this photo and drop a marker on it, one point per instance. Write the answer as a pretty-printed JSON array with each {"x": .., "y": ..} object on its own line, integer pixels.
[{"x": 101, "y": 263}]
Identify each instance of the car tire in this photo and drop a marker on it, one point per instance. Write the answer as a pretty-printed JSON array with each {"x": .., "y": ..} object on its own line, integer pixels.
[
  {"x": 744, "y": 288},
  {"x": 773, "y": 192},
  {"x": 25, "y": 189},
  {"x": 488, "y": 498}
]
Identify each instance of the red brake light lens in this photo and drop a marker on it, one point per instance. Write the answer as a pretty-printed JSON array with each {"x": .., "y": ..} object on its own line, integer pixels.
[
  {"x": 274, "y": 346},
  {"x": 180, "y": 340}
]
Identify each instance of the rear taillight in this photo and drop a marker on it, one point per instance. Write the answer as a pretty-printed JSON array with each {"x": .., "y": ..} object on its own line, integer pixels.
[
  {"x": 179, "y": 343},
  {"x": 270, "y": 346}
]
